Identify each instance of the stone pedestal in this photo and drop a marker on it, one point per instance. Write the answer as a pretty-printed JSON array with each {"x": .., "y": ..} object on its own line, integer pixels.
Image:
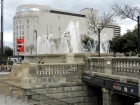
[
  {"x": 25, "y": 78},
  {"x": 70, "y": 58},
  {"x": 108, "y": 65}
]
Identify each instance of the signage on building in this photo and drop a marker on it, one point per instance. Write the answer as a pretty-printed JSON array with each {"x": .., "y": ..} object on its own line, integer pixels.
[
  {"x": 20, "y": 45},
  {"x": 125, "y": 88}
]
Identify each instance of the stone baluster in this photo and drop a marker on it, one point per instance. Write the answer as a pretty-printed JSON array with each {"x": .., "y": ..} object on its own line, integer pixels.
[
  {"x": 138, "y": 66},
  {"x": 91, "y": 64},
  {"x": 129, "y": 66},
  {"x": 102, "y": 65},
  {"x": 116, "y": 65},
  {"x": 122, "y": 65},
  {"x": 125, "y": 65}
]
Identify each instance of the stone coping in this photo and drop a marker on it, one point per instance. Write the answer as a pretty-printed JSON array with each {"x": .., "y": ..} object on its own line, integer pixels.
[
  {"x": 123, "y": 79},
  {"x": 75, "y": 54}
]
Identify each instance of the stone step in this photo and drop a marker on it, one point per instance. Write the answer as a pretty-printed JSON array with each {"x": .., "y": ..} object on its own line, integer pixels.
[
  {"x": 69, "y": 94},
  {"x": 47, "y": 100},
  {"x": 55, "y": 102},
  {"x": 30, "y": 101},
  {"x": 13, "y": 100},
  {"x": 80, "y": 100},
  {"x": 72, "y": 94},
  {"x": 84, "y": 104},
  {"x": 60, "y": 89}
]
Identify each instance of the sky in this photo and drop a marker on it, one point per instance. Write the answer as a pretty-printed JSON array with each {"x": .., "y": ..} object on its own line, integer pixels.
[{"x": 103, "y": 6}]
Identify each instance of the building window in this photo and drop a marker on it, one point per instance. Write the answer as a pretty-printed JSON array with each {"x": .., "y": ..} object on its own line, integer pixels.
[
  {"x": 27, "y": 32},
  {"x": 22, "y": 32},
  {"x": 27, "y": 26},
  {"x": 59, "y": 28},
  {"x": 22, "y": 26},
  {"x": 27, "y": 20},
  {"x": 17, "y": 27}
]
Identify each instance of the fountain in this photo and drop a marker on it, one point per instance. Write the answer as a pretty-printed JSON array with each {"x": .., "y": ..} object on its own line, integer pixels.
[{"x": 70, "y": 42}]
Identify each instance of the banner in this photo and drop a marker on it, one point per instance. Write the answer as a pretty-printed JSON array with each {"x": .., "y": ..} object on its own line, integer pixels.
[{"x": 20, "y": 45}]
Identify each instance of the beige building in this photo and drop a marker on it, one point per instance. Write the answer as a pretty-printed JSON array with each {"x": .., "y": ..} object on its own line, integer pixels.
[{"x": 32, "y": 21}]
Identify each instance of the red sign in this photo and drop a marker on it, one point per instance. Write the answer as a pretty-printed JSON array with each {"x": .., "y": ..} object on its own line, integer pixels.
[{"x": 20, "y": 45}]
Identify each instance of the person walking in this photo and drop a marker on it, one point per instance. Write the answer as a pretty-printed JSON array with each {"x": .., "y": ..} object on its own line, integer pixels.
[{"x": 3, "y": 65}]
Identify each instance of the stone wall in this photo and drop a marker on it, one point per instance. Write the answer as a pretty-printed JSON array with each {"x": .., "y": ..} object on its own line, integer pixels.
[
  {"x": 61, "y": 58},
  {"x": 8, "y": 98},
  {"x": 74, "y": 94}
]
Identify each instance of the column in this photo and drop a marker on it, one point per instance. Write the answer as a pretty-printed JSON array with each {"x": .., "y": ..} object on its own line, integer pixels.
[
  {"x": 25, "y": 78},
  {"x": 106, "y": 96}
]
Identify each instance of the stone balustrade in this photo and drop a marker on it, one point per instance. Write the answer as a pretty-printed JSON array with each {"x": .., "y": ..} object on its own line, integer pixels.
[
  {"x": 115, "y": 65},
  {"x": 57, "y": 69},
  {"x": 96, "y": 64},
  {"x": 126, "y": 67}
]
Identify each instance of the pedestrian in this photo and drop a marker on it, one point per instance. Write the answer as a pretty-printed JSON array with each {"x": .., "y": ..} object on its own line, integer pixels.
[
  {"x": 3, "y": 65},
  {"x": 10, "y": 63},
  {"x": 41, "y": 61},
  {"x": 114, "y": 54}
]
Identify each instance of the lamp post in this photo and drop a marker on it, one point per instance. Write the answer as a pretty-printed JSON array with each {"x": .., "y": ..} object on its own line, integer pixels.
[
  {"x": 36, "y": 39},
  {"x": 99, "y": 31},
  {"x": 4, "y": 48},
  {"x": 138, "y": 36},
  {"x": 1, "y": 38}
]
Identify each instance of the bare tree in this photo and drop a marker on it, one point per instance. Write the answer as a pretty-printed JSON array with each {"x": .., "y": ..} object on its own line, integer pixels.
[
  {"x": 95, "y": 24},
  {"x": 30, "y": 48},
  {"x": 126, "y": 11}
]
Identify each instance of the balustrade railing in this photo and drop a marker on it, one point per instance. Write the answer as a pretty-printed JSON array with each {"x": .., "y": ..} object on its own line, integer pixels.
[
  {"x": 126, "y": 66},
  {"x": 57, "y": 69},
  {"x": 96, "y": 64},
  {"x": 119, "y": 66}
]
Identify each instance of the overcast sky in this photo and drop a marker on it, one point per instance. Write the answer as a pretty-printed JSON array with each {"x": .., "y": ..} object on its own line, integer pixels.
[{"x": 70, "y": 5}]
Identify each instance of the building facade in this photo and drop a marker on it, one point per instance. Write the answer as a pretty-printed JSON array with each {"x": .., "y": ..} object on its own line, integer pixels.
[{"x": 33, "y": 21}]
